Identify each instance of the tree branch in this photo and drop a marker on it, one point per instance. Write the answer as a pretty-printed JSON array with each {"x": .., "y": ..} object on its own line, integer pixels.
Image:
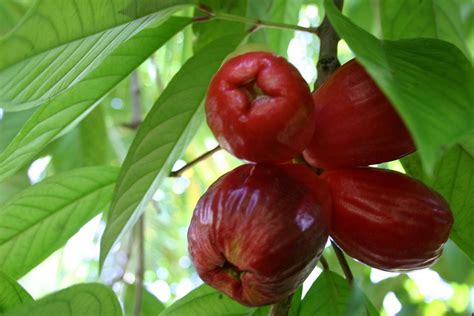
[
  {"x": 328, "y": 62},
  {"x": 204, "y": 156},
  {"x": 140, "y": 267},
  {"x": 135, "y": 92}
]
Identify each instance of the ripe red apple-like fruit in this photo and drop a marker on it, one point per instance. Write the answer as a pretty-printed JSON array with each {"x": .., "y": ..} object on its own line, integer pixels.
[
  {"x": 356, "y": 125},
  {"x": 258, "y": 231},
  {"x": 260, "y": 108},
  {"x": 386, "y": 219}
]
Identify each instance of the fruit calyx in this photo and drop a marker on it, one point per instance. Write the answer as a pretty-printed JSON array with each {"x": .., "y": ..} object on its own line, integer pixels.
[
  {"x": 232, "y": 270},
  {"x": 253, "y": 92}
]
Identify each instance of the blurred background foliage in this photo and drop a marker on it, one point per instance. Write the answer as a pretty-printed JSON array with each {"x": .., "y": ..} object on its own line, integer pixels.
[{"x": 104, "y": 136}]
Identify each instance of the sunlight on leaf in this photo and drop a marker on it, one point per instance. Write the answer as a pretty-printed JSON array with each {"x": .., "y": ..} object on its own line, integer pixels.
[
  {"x": 59, "y": 43},
  {"x": 52, "y": 118}
]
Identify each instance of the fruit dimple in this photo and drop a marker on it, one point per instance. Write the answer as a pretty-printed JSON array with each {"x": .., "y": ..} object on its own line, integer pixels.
[
  {"x": 253, "y": 92},
  {"x": 232, "y": 270}
]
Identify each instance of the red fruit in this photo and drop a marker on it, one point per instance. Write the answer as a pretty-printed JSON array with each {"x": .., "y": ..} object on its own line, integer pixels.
[
  {"x": 355, "y": 123},
  {"x": 386, "y": 219},
  {"x": 260, "y": 108},
  {"x": 258, "y": 231}
]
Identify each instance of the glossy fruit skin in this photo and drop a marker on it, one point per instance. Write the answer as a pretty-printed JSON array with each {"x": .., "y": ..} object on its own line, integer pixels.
[
  {"x": 356, "y": 125},
  {"x": 265, "y": 220},
  {"x": 386, "y": 219},
  {"x": 260, "y": 108}
]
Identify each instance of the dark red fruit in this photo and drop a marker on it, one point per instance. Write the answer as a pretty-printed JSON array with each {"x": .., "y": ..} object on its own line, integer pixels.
[
  {"x": 356, "y": 125},
  {"x": 258, "y": 231},
  {"x": 260, "y": 108},
  {"x": 386, "y": 219}
]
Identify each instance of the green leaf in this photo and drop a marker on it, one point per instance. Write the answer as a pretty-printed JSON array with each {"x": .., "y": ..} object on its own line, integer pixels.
[
  {"x": 468, "y": 144},
  {"x": 151, "y": 306},
  {"x": 206, "y": 301},
  {"x": 453, "y": 178},
  {"x": 428, "y": 81},
  {"x": 40, "y": 219},
  {"x": 54, "y": 117},
  {"x": 296, "y": 302},
  {"x": 162, "y": 138},
  {"x": 91, "y": 299},
  {"x": 10, "y": 14},
  {"x": 76, "y": 37},
  {"x": 427, "y": 18},
  {"x": 331, "y": 295},
  {"x": 283, "y": 11},
  {"x": 11, "y": 293}
]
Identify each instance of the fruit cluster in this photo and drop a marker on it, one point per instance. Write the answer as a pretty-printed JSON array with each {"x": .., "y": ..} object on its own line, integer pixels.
[{"x": 258, "y": 231}]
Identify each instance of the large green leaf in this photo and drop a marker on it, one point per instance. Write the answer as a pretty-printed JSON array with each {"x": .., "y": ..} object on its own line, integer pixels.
[
  {"x": 79, "y": 300},
  {"x": 162, "y": 137},
  {"x": 429, "y": 81},
  {"x": 331, "y": 295},
  {"x": 10, "y": 13},
  {"x": 40, "y": 219},
  {"x": 11, "y": 293},
  {"x": 453, "y": 177},
  {"x": 206, "y": 301},
  {"x": 427, "y": 18},
  {"x": 54, "y": 117},
  {"x": 76, "y": 37}
]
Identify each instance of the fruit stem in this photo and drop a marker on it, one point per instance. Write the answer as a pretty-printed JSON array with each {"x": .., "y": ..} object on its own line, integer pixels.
[
  {"x": 204, "y": 156},
  {"x": 324, "y": 263},
  {"x": 259, "y": 23},
  {"x": 281, "y": 308},
  {"x": 343, "y": 263}
]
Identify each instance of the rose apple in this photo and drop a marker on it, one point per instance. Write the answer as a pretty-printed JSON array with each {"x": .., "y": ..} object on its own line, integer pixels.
[
  {"x": 258, "y": 231},
  {"x": 386, "y": 219},
  {"x": 356, "y": 125},
  {"x": 260, "y": 108}
]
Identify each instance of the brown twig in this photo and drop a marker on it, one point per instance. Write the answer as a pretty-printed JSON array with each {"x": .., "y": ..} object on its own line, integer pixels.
[
  {"x": 328, "y": 62},
  {"x": 343, "y": 263},
  {"x": 190, "y": 164},
  {"x": 135, "y": 92},
  {"x": 140, "y": 267}
]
